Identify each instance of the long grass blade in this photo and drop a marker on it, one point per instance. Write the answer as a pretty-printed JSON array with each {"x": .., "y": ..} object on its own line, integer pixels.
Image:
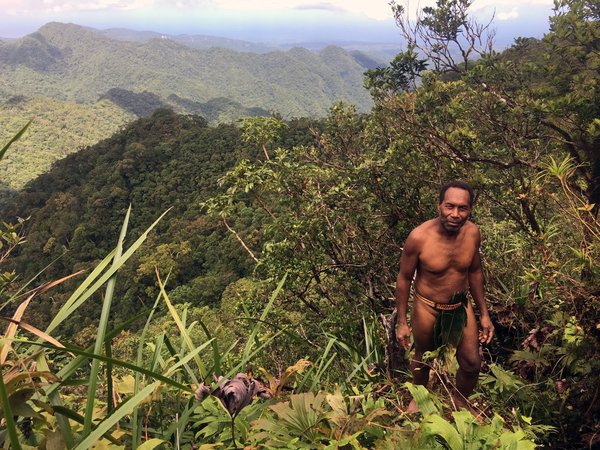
[
  {"x": 15, "y": 138},
  {"x": 290, "y": 334},
  {"x": 33, "y": 330},
  {"x": 124, "y": 410},
  {"x": 77, "y": 302},
  {"x": 321, "y": 367},
  {"x": 63, "y": 312},
  {"x": 109, "y": 378},
  {"x": 116, "y": 362},
  {"x": 251, "y": 339},
  {"x": 156, "y": 358},
  {"x": 11, "y": 330},
  {"x": 56, "y": 401},
  {"x": 186, "y": 358},
  {"x": 216, "y": 368},
  {"x": 180, "y": 425},
  {"x": 189, "y": 375},
  {"x": 22, "y": 290},
  {"x": 7, "y": 410},
  {"x": 241, "y": 366},
  {"x": 102, "y": 330},
  {"x": 135, "y": 422},
  {"x": 16, "y": 319},
  {"x": 71, "y": 367},
  {"x": 76, "y": 417},
  {"x": 181, "y": 327},
  {"x": 64, "y": 374}
]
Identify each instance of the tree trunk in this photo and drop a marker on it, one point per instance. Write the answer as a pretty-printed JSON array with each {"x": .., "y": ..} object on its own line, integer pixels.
[{"x": 395, "y": 355}]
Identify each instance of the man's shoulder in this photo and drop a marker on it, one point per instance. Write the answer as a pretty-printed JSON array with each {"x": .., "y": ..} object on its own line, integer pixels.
[
  {"x": 422, "y": 231},
  {"x": 471, "y": 228},
  {"x": 472, "y": 232}
]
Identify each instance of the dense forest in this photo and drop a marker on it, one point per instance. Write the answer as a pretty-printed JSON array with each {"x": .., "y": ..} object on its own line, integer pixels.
[
  {"x": 70, "y": 62},
  {"x": 232, "y": 286},
  {"x": 59, "y": 128},
  {"x": 83, "y": 85}
]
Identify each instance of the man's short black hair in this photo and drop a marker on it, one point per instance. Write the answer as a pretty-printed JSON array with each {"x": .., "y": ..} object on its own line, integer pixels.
[{"x": 460, "y": 185}]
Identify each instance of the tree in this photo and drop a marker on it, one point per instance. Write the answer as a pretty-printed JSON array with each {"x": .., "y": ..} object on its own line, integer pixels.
[
  {"x": 573, "y": 73},
  {"x": 401, "y": 75},
  {"x": 445, "y": 34}
]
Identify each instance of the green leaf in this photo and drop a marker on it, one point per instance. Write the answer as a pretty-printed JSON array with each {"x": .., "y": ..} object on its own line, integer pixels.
[
  {"x": 151, "y": 443},
  {"x": 516, "y": 441},
  {"x": 182, "y": 329},
  {"x": 76, "y": 302},
  {"x": 437, "y": 426},
  {"x": 253, "y": 334},
  {"x": 425, "y": 399},
  {"x": 135, "y": 422},
  {"x": 116, "y": 362}
]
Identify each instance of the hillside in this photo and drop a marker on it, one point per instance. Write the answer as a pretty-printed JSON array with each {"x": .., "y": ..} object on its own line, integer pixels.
[
  {"x": 81, "y": 85},
  {"x": 153, "y": 163},
  {"x": 69, "y": 62},
  {"x": 59, "y": 128}
]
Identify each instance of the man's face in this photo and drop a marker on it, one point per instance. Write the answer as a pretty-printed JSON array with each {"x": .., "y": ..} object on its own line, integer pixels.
[{"x": 454, "y": 210}]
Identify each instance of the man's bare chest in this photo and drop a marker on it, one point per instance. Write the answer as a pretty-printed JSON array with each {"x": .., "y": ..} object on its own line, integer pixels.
[{"x": 440, "y": 256}]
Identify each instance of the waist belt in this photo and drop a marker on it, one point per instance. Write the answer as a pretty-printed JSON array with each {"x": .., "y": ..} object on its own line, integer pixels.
[{"x": 440, "y": 306}]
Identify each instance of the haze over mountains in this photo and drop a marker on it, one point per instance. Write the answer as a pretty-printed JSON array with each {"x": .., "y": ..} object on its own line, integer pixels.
[{"x": 138, "y": 72}]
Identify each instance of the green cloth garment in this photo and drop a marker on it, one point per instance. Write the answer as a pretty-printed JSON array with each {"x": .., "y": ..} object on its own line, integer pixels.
[{"x": 449, "y": 326}]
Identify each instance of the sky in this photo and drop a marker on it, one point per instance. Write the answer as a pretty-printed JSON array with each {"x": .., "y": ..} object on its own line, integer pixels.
[{"x": 265, "y": 21}]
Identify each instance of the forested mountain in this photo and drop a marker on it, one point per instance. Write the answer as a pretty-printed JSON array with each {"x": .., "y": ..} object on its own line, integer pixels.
[
  {"x": 69, "y": 62},
  {"x": 166, "y": 160},
  {"x": 280, "y": 254},
  {"x": 90, "y": 85},
  {"x": 59, "y": 128},
  {"x": 377, "y": 53},
  {"x": 63, "y": 127}
]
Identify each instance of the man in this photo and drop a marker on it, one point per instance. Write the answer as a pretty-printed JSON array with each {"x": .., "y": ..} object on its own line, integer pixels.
[{"x": 444, "y": 252}]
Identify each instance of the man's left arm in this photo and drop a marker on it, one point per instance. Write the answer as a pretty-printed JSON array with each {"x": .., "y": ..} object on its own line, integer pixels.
[{"x": 476, "y": 286}]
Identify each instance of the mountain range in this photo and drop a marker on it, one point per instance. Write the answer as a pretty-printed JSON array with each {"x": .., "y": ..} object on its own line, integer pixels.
[
  {"x": 70, "y": 62},
  {"x": 83, "y": 84}
]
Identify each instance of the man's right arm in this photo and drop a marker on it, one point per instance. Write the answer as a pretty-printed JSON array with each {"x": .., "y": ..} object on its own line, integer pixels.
[{"x": 408, "y": 265}]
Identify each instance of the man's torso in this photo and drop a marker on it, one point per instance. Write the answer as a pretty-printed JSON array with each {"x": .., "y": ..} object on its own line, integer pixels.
[{"x": 444, "y": 261}]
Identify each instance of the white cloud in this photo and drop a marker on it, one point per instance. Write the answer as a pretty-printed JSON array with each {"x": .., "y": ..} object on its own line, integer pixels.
[
  {"x": 478, "y": 4},
  {"x": 62, "y": 6},
  {"x": 374, "y": 9},
  {"x": 507, "y": 15}
]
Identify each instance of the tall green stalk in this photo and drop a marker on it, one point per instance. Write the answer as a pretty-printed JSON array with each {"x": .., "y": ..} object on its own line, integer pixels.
[
  {"x": 135, "y": 421},
  {"x": 8, "y": 415},
  {"x": 102, "y": 329}
]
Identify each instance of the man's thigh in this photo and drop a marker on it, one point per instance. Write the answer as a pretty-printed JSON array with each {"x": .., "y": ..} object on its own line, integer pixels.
[
  {"x": 467, "y": 352},
  {"x": 422, "y": 321}
]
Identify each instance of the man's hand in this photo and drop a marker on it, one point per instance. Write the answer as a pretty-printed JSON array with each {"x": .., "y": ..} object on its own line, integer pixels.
[
  {"x": 403, "y": 335},
  {"x": 487, "y": 330}
]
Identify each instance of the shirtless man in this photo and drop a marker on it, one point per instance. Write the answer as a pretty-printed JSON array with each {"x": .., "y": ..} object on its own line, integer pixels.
[{"x": 445, "y": 254}]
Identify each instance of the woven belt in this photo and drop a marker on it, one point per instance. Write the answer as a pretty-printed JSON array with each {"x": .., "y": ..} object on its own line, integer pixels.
[{"x": 440, "y": 306}]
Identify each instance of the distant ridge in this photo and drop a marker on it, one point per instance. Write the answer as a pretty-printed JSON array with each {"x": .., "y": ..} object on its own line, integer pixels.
[
  {"x": 70, "y": 62},
  {"x": 193, "y": 41}
]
